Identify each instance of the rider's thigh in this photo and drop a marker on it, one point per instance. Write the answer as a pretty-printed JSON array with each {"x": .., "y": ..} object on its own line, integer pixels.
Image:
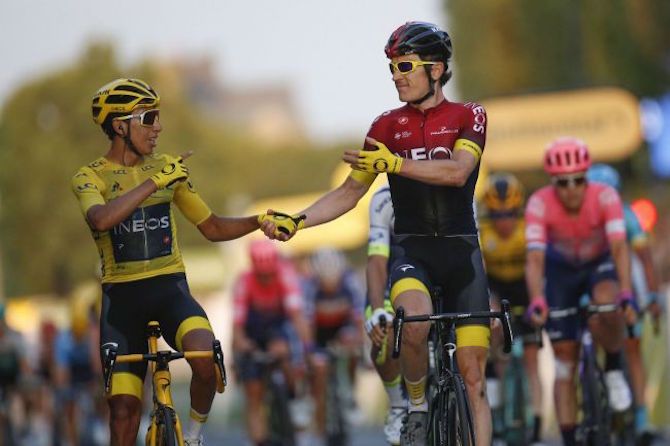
[{"x": 279, "y": 348}]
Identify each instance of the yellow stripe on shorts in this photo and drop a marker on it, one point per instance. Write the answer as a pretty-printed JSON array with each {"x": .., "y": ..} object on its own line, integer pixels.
[
  {"x": 407, "y": 284},
  {"x": 189, "y": 324},
  {"x": 473, "y": 336},
  {"x": 125, "y": 383}
]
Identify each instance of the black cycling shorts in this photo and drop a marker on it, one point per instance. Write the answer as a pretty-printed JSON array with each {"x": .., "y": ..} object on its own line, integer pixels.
[
  {"x": 516, "y": 292},
  {"x": 454, "y": 264},
  {"x": 127, "y": 308}
]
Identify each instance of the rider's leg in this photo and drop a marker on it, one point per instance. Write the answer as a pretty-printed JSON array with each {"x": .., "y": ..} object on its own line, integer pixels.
[
  {"x": 607, "y": 328},
  {"x": 255, "y": 412},
  {"x": 472, "y": 364},
  {"x": 319, "y": 363},
  {"x": 414, "y": 352},
  {"x": 389, "y": 372},
  {"x": 125, "y": 412},
  {"x": 530, "y": 352},
  {"x": 638, "y": 381},
  {"x": 279, "y": 348},
  {"x": 565, "y": 393},
  {"x": 203, "y": 380}
]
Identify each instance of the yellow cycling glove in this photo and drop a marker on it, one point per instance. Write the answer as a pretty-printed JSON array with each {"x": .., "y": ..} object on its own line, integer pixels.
[
  {"x": 379, "y": 161},
  {"x": 284, "y": 223},
  {"x": 173, "y": 171}
]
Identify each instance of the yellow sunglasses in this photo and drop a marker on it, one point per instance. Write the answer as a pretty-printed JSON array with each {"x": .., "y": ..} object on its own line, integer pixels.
[{"x": 407, "y": 66}]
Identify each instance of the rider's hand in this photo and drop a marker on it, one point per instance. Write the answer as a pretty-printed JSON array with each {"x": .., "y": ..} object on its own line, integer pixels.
[
  {"x": 379, "y": 160},
  {"x": 175, "y": 170},
  {"x": 628, "y": 303},
  {"x": 537, "y": 311},
  {"x": 373, "y": 327},
  {"x": 280, "y": 226}
]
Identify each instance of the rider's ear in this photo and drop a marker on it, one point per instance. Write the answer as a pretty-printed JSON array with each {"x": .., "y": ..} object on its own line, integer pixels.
[{"x": 119, "y": 128}]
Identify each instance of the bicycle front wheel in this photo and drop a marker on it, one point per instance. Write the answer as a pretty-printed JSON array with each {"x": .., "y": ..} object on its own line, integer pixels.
[
  {"x": 165, "y": 420},
  {"x": 461, "y": 429}
]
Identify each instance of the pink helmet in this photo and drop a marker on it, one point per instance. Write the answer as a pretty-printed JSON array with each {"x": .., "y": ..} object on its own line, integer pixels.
[
  {"x": 566, "y": 155},
  {"x": 264, "y": 256}
]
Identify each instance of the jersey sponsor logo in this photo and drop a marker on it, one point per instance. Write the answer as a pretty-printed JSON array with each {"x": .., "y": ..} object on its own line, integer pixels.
[
  {"x": 404, "y": 134},
  {"x": 116, "y": 187},
  {"x": 608, "y": 196},
  {"x": 479, "y": 125},
  {"x": 444, "y": 131},
  {"x": 405, "y": 267},
  {"x": 86, "y": 186},
  {"x": 534, "y": 232},
  {"x": 119, "y": 172},
  {"x": 145, "y": 235},
  {"x": 420, "y": 153},
  {"x": 147, "y": 167},
  {"x": 536, "y": 207},
  {"x": 403, "y": 120},
  {"x": 97, "y": 163}
]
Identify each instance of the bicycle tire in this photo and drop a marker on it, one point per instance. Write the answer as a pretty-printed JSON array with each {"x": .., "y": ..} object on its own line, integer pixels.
[
  {"x": 279, "y": 420},
  {"x": 465, "y": 431},
  {"x": 165, "y": 422},
  {"x": 336, "y": 424},
  {"x": 516, "y": 429},
  {"x": 595, "y": 406}
]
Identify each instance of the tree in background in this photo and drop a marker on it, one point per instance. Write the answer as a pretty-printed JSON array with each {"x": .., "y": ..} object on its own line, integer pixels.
[
  {"x": 521, "y": 46},
  {"x": 46, "y": 134}
]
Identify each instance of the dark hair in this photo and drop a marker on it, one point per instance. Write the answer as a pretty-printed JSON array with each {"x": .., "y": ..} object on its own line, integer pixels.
[{"x": 446, "y": 75}]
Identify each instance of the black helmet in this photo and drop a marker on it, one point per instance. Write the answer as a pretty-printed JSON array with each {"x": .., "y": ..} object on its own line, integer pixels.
[{"x": 422, "y": 38}]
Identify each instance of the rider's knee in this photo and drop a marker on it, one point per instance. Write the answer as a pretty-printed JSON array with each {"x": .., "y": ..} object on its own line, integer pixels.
[
  {"x": 473, "y": 378},
  {"x": 203, "y": 370},
  {"x": 124, "y": 408},
  {"x": 564, "y": 369},
  {"x": 415, "y": 334}
]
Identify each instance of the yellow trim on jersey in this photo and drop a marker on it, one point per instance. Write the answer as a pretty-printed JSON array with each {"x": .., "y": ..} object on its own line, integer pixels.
[
  {"x": 365, "y": 178},
  {"x": 190, "y": 324},
  {"x": 473, "y": 336},
  {"x": 126, "y": 383},
  {"x": 470, "y": 146},
  {"x": 379, "y": 249},
  {"x": 407, "y": 284}
]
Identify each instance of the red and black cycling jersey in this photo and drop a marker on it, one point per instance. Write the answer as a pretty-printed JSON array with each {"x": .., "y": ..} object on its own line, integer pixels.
[{"x": 421, "y": 208}]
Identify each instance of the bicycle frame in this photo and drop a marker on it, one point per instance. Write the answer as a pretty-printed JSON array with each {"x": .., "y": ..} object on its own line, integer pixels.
[{"x": 161, "y": 377}]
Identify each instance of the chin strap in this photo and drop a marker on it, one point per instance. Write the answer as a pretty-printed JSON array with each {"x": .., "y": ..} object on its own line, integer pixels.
[{"x": 430, "y": 94}]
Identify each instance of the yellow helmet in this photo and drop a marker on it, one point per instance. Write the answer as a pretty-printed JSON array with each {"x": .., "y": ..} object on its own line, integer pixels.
[
  {"x": 121, "y": 97},
  {"x": 503, "y": 193}
]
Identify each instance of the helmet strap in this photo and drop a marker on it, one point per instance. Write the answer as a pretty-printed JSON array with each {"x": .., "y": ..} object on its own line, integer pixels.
[
  {"x": 431, "y": 88},
  {"x": 129, "y": 144}
]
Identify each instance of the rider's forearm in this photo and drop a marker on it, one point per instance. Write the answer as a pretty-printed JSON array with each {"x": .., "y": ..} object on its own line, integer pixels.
[
  {"x": 644, "y": 254},
  {"x": 105, "y": 216},
  {"x": 302, "y": 328},
  {"x": 335, "y": 203},
  {"x": 535, "y": 273},
  {"x": 442, "y": 172},
  {"x": 219, "y": 229},
  {"x": 621, "y": 257},
  {"x": 377, "y": 276}
]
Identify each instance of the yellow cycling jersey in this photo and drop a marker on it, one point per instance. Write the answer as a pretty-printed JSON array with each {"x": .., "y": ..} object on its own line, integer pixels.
[
  {"x": 505, "y": 259},
  {"x": 145, "y": 243}
]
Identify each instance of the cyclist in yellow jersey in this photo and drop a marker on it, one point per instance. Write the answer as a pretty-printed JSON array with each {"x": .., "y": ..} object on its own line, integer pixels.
[
  {"x": 126, "y": 197},
  {"x": 503, "y": 242}
]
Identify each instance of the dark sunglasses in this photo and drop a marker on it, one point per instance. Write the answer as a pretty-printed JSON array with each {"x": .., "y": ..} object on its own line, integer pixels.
[
  {"x": 407, "y": 66},
  {"x": 574, "y": 181},
  {"x": 147, "y": 118}
]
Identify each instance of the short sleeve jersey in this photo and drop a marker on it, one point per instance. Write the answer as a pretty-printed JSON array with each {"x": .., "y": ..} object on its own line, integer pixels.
[
  {"x": 145, "y": 243},
  {"x": 434, "y": 134},
  {"x": 381, "y": 237},
  {"x": 575, "y": 239},
  {"x": 505, "y": 258},
  {"x": 274, "y": 299},
  {"x": 635, "y": 235}
]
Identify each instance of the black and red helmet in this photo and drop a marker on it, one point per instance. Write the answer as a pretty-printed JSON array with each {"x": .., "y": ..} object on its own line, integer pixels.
[{"x": 422, "y": 38}]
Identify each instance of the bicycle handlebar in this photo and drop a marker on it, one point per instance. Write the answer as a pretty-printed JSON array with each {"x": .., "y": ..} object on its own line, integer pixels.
[
  {"x": 110, "y": 357},
  {"x": 504, "y": 316}
]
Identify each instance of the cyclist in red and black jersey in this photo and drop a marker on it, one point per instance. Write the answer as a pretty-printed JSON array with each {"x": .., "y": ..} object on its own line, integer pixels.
[{"x": 430, "y": 148}]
